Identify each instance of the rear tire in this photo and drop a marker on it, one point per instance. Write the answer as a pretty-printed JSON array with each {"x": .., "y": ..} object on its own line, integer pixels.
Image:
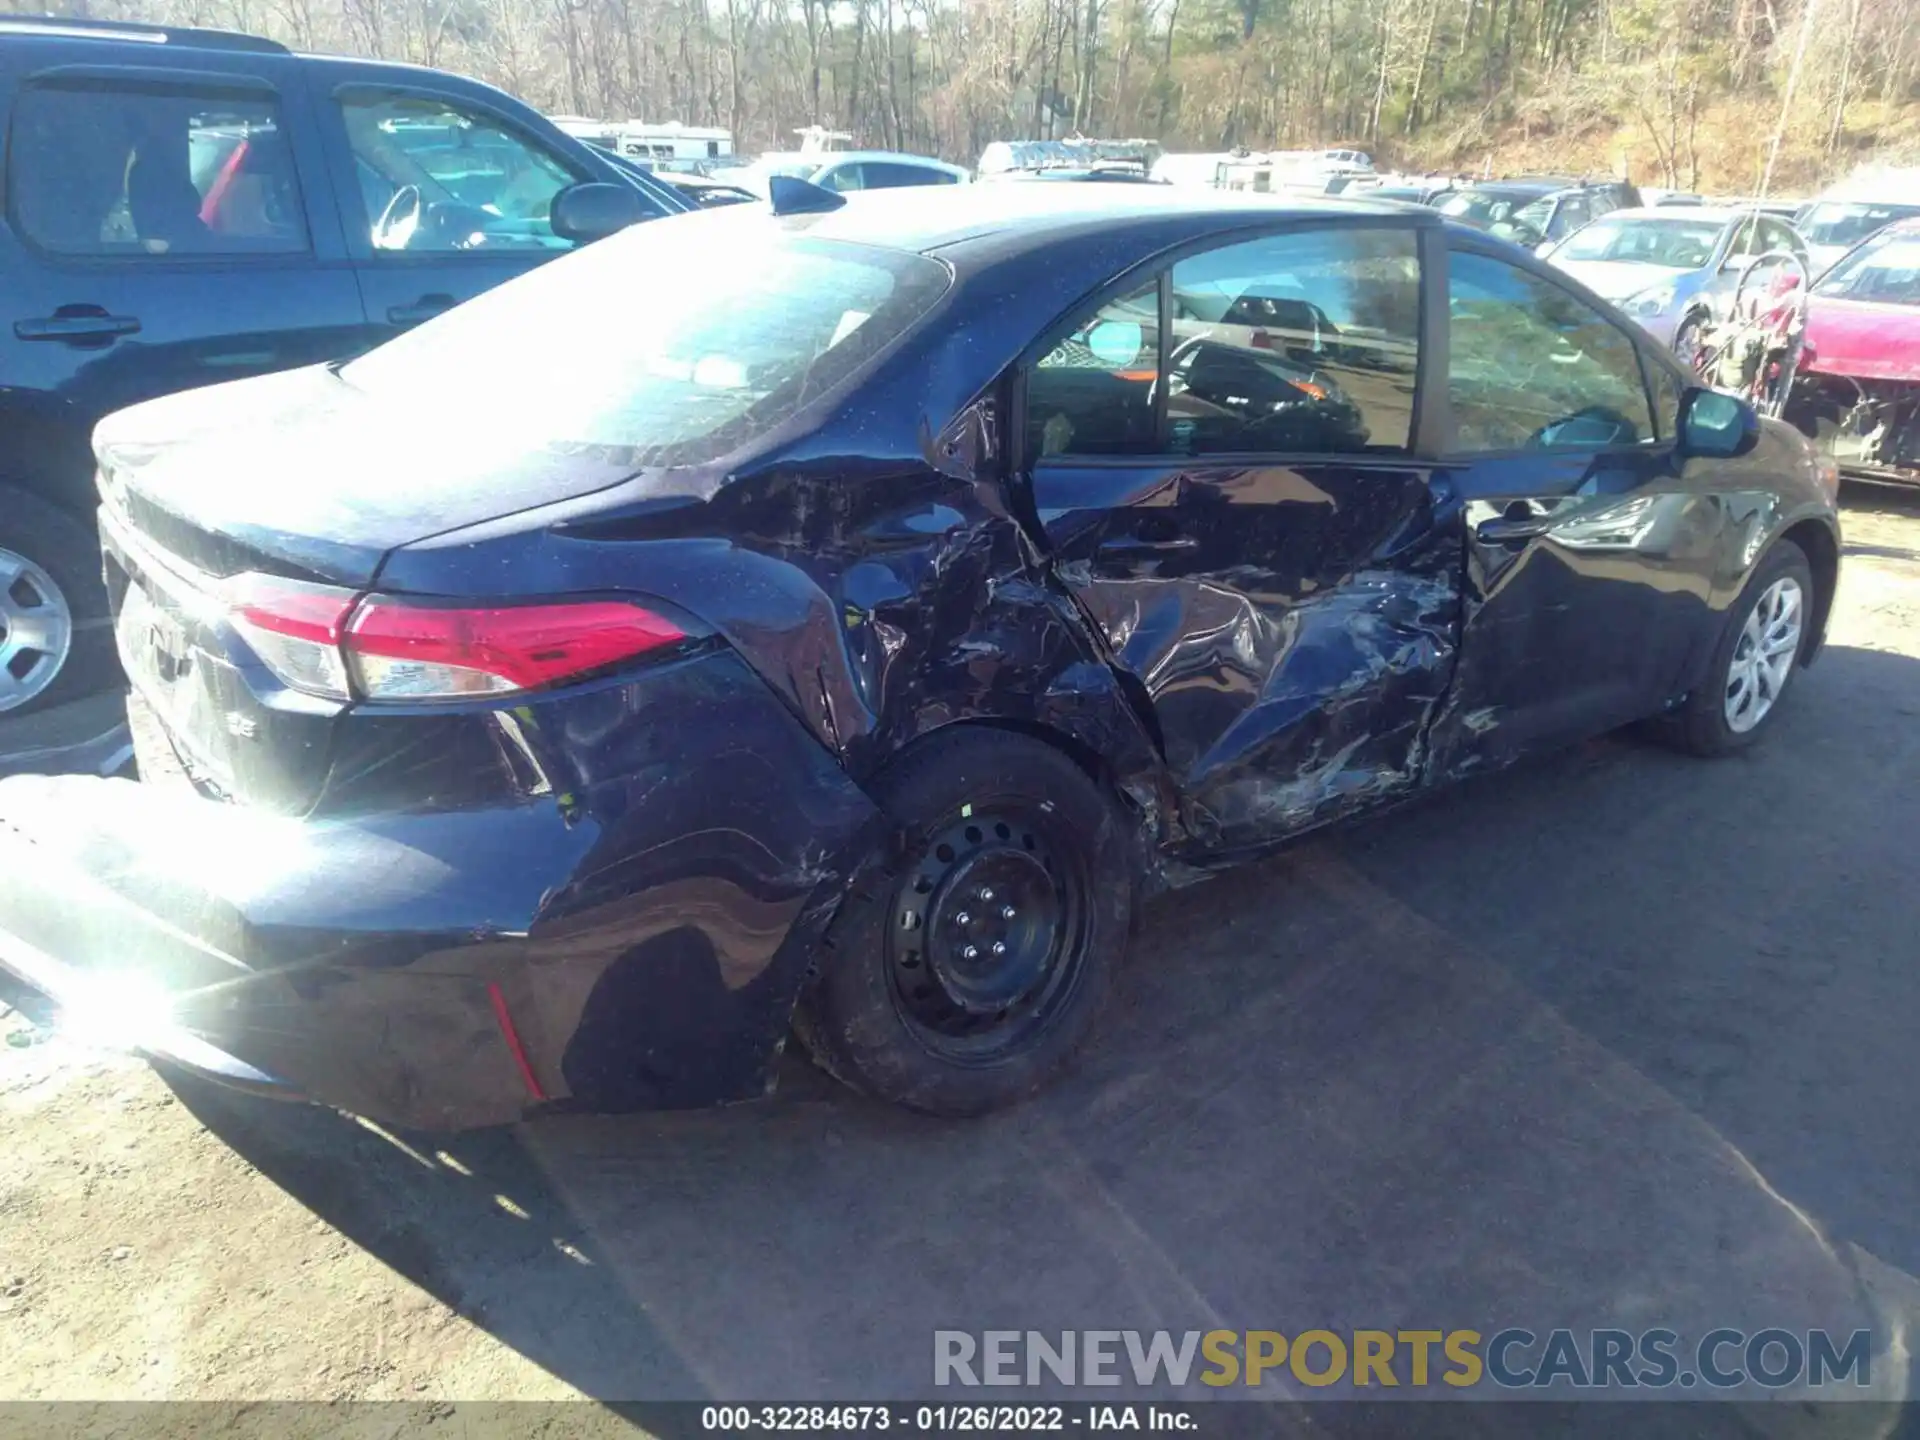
[
  {"x": 970, "y": 962},
  {"x": 1753, "y": 665},
  {"x": 56, "y": 643}
]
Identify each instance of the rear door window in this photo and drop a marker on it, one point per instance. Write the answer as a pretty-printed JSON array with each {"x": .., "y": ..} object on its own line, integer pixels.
[
  {"x": 1092, "y": 392},
  {"x": 1304, "y": 342},
  {"x": 152, "y": 171}
]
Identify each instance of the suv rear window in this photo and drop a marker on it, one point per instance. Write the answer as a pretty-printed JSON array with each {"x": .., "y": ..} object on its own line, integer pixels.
[
  {"x": 97, "y": 168},
  {"x": 593, "y": 349}
]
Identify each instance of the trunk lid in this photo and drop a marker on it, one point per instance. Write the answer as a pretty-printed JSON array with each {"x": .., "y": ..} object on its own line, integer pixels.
[
  {"x": 299, "y": 474},
  {"x": 295, "y": 475}
]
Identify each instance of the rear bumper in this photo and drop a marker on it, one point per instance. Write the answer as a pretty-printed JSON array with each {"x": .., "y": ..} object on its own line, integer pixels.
[
  {"x": 159, "y": 1040},
  {"x": 635, "y": 939}
]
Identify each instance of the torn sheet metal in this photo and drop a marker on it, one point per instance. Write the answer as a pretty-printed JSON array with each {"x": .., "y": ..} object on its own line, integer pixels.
[{"x": 1291, "y": 630}]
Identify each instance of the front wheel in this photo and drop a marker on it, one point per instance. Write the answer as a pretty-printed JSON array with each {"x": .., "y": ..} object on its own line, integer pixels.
[
  {"x": 967, "y": 966},
  {"x": 1690, "y": 347},
  {"x": 1760, "y": 646}
]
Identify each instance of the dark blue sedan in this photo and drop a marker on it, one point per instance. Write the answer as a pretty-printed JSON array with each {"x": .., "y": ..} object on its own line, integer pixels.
[{"x": 834, "y": 616}]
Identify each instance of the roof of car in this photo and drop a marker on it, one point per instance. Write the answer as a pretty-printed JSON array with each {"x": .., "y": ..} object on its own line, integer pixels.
[
  {"x": 1519, "y": 187},
  {"x": 940, "y": 218},
  {"x": 896, "y": 157},
  {"x": 1716, "y": 214},
  {"x": 136, "y": 32}
]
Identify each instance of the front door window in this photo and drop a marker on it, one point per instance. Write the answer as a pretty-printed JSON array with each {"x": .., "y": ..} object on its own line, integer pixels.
[
  {"x": 434, "y": 178},
  {"x": 1535, "y": 368}
]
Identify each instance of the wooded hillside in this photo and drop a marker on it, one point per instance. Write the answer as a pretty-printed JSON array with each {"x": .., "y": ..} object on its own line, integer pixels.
[{"x": 1687, "y": 93}]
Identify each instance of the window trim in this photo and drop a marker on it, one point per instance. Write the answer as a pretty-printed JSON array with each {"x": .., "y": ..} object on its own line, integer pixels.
[
  {"x": 1424, "y": 232},
  {"x": 360, "y": 246},
  {"x": 1454, "y": 455},
  {"x": 137, "y": 78}
]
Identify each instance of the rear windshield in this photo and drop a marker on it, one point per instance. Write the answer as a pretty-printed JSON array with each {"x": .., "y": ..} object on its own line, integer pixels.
[{"x": 679, "y": 340}]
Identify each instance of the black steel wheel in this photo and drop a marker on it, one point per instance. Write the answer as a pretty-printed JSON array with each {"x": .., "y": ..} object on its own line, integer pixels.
[
  {"x": 971, "y": 960},
  {"x": 989, "y": 934}
]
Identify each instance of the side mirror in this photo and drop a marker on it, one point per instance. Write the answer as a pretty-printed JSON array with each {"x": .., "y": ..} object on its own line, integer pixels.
[
  {"x": 595, "y": 209},
  {"x": 1717, "y": 425},
  {"x": 1116, "y": 343}
]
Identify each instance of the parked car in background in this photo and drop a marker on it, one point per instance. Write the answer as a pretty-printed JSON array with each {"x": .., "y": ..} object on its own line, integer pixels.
[
  {"x": 703, "y": 192},
  {"x": 696, "y": 189},
  {"x": 1539, "y": 211},
  {"x": 1423, "y": 193},
  {"x": 1673, "y": 268},
  {"x": 1199, "y": 169},
  {"x": 186, "y": 207},
  {"x": 1858, "y": 394},
  {"x": 1872, "y": 197},
  {"x": 846, "y": 170},
  {"x": 552, "y": 706},
  {"x": 1118, "y": 174},
  {"x": 1081, "y": 157}
]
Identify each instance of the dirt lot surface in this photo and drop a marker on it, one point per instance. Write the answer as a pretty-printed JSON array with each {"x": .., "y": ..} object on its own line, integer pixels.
[{"x": 1616, "y": 1039}]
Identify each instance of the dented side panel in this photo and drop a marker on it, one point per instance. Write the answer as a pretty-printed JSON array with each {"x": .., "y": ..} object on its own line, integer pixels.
[
  {"x": 1291, "y": 629},
  {"x": 1589, "y": 588}
]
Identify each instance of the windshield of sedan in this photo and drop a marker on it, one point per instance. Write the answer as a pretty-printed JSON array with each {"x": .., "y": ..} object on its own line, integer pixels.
[
  {"x": 1845, "y": 223},
  {"x": 591, "y": 349},
  {"x": 1670, "y": 244},
  {"x": 1483, "y": 207},
  {"x": 1886, "y": 270}
]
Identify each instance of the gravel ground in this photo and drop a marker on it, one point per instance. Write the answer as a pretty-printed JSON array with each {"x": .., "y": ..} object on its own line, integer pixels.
[{"x": 1617, "y": 1038}]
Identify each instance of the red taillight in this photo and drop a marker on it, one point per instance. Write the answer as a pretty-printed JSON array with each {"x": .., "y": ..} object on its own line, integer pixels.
[
  {"x": 419, "y": 652},
  {"x": 295, "y": 629},
  {"x": 315, "y": 639}
]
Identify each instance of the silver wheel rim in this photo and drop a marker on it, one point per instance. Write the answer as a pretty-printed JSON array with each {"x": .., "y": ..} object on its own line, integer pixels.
[
  {"x": 1764, "y": 655},
  {"x": 36, "y": 630}
]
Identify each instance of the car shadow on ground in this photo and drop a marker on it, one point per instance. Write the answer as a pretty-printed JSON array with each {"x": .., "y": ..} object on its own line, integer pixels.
[{"x": 1614, "y": 1039}]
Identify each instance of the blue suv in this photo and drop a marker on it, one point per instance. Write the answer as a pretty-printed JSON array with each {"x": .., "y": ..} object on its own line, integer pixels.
[{"x": 184, "y": 207}]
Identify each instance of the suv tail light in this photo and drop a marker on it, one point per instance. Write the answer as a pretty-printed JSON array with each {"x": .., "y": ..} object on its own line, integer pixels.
[{"x": 315, "y": 638}]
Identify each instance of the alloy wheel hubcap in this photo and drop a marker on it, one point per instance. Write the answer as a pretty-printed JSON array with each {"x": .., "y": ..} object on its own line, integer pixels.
[
  {"x": 982, "y": 936},
  {"x": 36, "y": 630},
  {"x": 1764, "y": 655}
]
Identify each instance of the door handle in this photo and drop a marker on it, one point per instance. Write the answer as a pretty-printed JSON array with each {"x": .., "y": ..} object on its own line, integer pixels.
[
  {"x": 1512, "y": 530},
  {"x": 77, "y": 325},
  {"x": 423, "y": 309}
]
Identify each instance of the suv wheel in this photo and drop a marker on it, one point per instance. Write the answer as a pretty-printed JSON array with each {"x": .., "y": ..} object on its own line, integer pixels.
[{"x": 55, "y": 643}]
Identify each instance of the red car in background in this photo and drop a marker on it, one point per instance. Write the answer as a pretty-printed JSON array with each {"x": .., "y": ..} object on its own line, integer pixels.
[{"x": 1858, "y": 397}]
